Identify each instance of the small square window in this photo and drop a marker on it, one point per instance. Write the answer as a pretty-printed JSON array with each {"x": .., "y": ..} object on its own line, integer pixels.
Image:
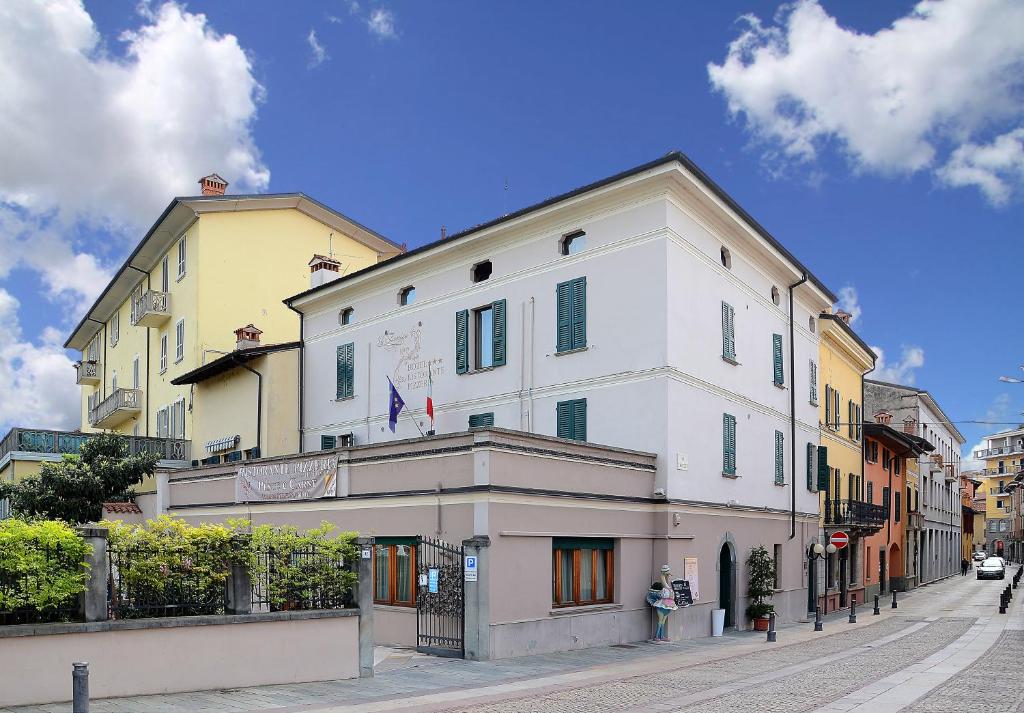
[
  {"x": 346, "y": 316},
  {"x": 573, "y": 243},
  {"x": 407, "y": 295},
  {"x": 482, "y": 271}
]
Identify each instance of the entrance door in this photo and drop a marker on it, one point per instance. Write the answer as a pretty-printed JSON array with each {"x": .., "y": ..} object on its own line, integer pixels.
[
  {"x": 440, "y": 600},
  {"x": 883, "y": 575},
  {"x": 843, "y": 579},
  {"x": 725, "y": 593}
]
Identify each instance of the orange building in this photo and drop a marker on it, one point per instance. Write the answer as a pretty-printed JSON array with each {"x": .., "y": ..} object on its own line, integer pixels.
[{"x": 886, "y": 452}]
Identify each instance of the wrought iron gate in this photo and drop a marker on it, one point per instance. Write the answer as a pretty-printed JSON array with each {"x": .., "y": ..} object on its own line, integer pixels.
[{"x": 440, "y": 600}]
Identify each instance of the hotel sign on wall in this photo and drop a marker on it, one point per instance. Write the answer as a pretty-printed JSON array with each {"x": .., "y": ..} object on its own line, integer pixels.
[
  {"x": 411, "y": 369},
  {"x": 303, "y": 479}
]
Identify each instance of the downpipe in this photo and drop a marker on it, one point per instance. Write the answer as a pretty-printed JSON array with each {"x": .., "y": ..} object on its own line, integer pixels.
[{"x": 792, "y": 410}]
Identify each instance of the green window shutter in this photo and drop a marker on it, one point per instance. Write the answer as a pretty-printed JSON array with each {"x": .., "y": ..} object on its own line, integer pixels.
[
  {"x": 814, "y": 382},
  {"x": 728, "y": 444},
  {"x": 498, "y": 314},
  {"x": 835, "y": 409},
  {"x": 462, "y": 341},
  {"x": 828, "y": 405},
  {"x": 346, "y": 370},
  {"x": 481, "y": 420},
  {"x": 849, "y": 419},
  {"x": 564, "y": 410},
  {"x": 564, "y": 300},
  {"x": 811, "y": 481},
  {"x": 822, "y": 468},
  {"x": 728, "y": 331},
  {"x": 860, "y": 416},
  {"x": 579, "y": 313},
  {"x": 328, "y": 442},
  {"x": 777, "y": 357},
  {"x": 579, "y": 420},
  {"x": 780, "y": 475}
]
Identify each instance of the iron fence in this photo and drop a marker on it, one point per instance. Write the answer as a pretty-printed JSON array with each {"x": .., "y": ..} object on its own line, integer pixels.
[
  {"x": 18, "y": 589},
  {"x": 148, "y": 581},
  {"x": 309, "y": 577}
]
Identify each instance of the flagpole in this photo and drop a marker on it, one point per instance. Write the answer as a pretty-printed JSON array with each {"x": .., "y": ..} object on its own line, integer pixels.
[{"x": 417, "y": 423}]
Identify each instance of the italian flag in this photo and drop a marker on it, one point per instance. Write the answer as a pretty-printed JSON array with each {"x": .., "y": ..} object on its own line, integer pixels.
[{"x": 430, "y": 397}]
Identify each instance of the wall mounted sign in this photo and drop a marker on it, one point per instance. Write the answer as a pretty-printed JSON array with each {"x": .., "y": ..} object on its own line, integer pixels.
[
  {"x": 410, "y": 372},
  {"x": 681, "y": 590},
  {"x": 839, "y": 539},
  {"x": 432, "y": 580},
  {"x": 302, "y": 479},
  {"x": 470, "y": 569},
  {"x": 690, "y": 575}
]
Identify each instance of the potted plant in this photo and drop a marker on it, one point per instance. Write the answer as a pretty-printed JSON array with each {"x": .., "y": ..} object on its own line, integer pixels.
[{"x": 760, "y": 586}]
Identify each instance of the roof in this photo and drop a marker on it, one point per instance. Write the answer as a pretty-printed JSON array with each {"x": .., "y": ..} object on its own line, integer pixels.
[
  {"x": 886, "y": 432},
  {"x": 671, "y": 157},
  {"x": 122, "y": 508},
  {"x": 231, "y": 361},
  {"x": 180, "y": 213},
  {"x": 852, "y": 334},
  {"x": 931, "y": 399}
]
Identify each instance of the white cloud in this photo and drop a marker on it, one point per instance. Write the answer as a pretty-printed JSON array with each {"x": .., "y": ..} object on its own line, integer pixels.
[
  {"x": 382, "y": 23},
  {"x": 997, "y": 416},
  {"x": 848, "y": 302},
  {"x": 893, "y": 100},
  {"x": 319, "y": 52},
  {"x": 997, "y": 168},
  {"x": 37, "y": 383},
  {"x": 902, "y": 371}
]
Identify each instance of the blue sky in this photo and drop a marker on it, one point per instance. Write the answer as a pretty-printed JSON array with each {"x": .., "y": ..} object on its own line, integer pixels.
[{"x": 888, "y": 157}]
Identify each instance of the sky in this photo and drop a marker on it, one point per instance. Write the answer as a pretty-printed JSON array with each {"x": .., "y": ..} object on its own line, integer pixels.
[{"x": 882, "y": 143}]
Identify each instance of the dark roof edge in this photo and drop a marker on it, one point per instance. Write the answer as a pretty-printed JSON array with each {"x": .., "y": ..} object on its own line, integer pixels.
[
  {"x": 674, "y": 156},
  {"x": 948, "y": 421},
  {"x": 853, "y": 335},
  {"x": 230, "y": 361},
  {"x": 885, "y": 430}
]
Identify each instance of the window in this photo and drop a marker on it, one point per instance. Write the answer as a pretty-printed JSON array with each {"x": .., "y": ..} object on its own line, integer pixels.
[
  {"x": 728, "y": 332},
  {"x": 726, "y": 258},
  {"x": 571, "y": 300},
  {"x": 572, "y": 419},
  {"x": 162, "y": 422},
  {"x": 780, "y": 476},
  {"x": 394, "y": 571},
  {"x": 896, "y": 465},
  {"x": 346, "y": 316},
  {"x": 886, "y": 459},
  {"x": 328, "y": 443},
  {"x": 775, "y": 295},
  {"x": 135, "y": 371},
  {"x": 728, "y": 444},
  {"x": 115, "y": 328},
  {"x": 165, "y": 274},
  {"x": 810, "y": 324},
  {"x": 860, "y": 419},
  {"x": 999, "y": 503},
  {"x": 481, "y": 271},
  {"x": 849, "y": 419},
  {"x": 812, "y": 483},
  {"x": 481, "y": 420},
  {"x": 897, "y": 509},
  {"x": 346, "y": 371},
  {"x": 778, "y": 567},
  {"x": 163, "y": 353},
  {"x": 871, "y": 492},
  {"x": 835, "y": 409},
  {"x": 778, "y": 377},
  {"x": 176, "y": 428},
  {"x": 406, "y": 296},
  {"x": 828, "y": 405},
  {"x": 487, "y": 336},
  {"x": 181, "y": 257},
  {"x": 179, "y": 341},
  {"x": 582, "y": 571},
  {"x": 885, "y": 501},
  {"x": 573, "y": 243},
  {"x": 871, "y": 451},
  {"x": 813, "y": 376}
]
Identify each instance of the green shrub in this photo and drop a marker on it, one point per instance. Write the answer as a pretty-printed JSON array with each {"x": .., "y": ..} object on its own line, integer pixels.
[{"x": 42, "y": 565}]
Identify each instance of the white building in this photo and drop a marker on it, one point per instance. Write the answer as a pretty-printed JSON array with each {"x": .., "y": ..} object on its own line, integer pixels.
[{"x": 646, "y": 311}]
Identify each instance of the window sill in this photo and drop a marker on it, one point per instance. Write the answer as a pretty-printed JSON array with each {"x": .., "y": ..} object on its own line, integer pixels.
[
  {"x": 814, "y": 403},
  {"x": 585, "y": 609},
  {"x": 481, "y": 370},
  {"x": 344, "y": 398},
  {"x": 781, "y": 387},
  {"x": 779, "y": 485},
  {"x": 730, "y": 360},
  {"x": 402, "y": 608},
  {"x": 731, "y": 476},
  {"x": 566, "y": 352},
  {"x": 179, "y": 278}
]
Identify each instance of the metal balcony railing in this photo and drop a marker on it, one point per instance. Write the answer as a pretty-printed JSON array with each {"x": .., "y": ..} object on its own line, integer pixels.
[
  {"x": 151, "y": 308},
  {"x": 999, "y": 451},
  {"x": 87, "y": 372},
  {"x": 854, "y": 513},
  {"x": 116, "y": 408},
  {"x": 33, "y": 440},
  {"x": 915, "y": 520}
]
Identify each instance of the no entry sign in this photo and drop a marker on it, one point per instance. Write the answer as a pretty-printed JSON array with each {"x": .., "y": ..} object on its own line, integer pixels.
[{"x": 839, "y": 539}]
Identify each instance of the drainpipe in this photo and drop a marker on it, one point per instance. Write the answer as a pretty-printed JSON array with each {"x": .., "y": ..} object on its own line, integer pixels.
[
  {"x": 302, "y": 372},
  {"x": 259, "y": 404},
  {"x": 792, "y": 410}
]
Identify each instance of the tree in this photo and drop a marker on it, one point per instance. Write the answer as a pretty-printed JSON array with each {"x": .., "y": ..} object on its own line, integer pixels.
[
  {"x": 760, "y": 582},
  {"x": 75, "y": 488}
]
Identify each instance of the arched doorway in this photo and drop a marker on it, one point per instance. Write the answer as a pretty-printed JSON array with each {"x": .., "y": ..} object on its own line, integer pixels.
[
  {"x": 895, "y": 562},
  {"x": 726, "y": 593}
]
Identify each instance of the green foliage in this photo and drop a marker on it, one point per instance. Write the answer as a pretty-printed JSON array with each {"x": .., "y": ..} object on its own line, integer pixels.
[
  {"x": 75, "y": 488},
  {"x": 760, "y": 581},
  {"x": 42, "y": 565}
]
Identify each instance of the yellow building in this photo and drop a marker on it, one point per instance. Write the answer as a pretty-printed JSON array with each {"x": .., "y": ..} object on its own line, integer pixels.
[
  {"x": 844, "y": 358},
  {"x": 161, "y": 361},
  {"x": 1003, "y": 455}
]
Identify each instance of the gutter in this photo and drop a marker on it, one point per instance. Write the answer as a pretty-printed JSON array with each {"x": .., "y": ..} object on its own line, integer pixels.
[
  {"x": 259, "y": 404},
  {"x": 792, "y": 409}
]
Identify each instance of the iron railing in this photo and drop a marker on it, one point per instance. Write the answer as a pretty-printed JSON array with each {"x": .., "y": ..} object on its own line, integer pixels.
[
  {"x": 87, "y": 372},
  {"x": 148, "y": 581},
  {"x": 34, "y": 440},
  {"x": 306, "y": 578},
  {"x": 854, "y": 513},
  {"x": 151, "y": 304},
  {"x": 18, "y": 586},
  {"x": 124, "y": 400},
  {"x": 999, "y": 451}
]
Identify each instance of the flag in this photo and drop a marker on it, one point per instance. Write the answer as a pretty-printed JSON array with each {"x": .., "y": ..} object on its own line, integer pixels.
[
  {"x": 395, "y": 407},
  {"x": 430, "y": 396}
]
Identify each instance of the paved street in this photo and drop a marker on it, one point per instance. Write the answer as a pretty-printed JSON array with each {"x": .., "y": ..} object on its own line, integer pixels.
[{"x": 944, "y": 649}]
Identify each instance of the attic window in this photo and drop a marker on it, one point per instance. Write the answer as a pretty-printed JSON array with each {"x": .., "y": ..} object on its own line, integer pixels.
[
  {"x": 775, "y": 295},
  {"x": 407, "y": 295},
  {"x": 573, "y": 243},
  {"x": 481, "y": 271},
  {"x": 726, "y": 258},
  {"x": 346, "y": 316},
  {"x": 810, "y": 323}
]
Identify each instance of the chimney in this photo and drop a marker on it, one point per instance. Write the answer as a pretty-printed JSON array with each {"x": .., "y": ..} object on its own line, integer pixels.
[
  {"x": 444, "y": 232},
  {"x": 845, "y": 316},
  {"x": 883, "y": 417},
  {"x": 323, "y": 269},
  {"x": 910, "y": 425},
  {"x": 213, "y": 185},
  {"x": 247, "y": 337}
]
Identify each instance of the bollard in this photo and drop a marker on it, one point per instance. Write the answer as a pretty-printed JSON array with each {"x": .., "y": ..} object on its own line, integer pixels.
[
  {"x": 80, "y": 688},
  {"x": 876, "y": 612},
  {"x": 1002, "y": 604},
  {"x": 894, "y": 599},
  {"x": 771, "y": 628},
  {"x": 853, "y": 611},
  {"x": 817, "y": 619}
]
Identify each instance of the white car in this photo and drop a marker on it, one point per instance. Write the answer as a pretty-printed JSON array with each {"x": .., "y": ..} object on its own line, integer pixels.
[
  {"x": 992, "y": 568},
  {"x": 979, "y": 556}
]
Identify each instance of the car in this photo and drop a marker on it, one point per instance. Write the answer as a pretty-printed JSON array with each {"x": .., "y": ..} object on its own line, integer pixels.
[
  {"x": 992, "y": 568},
  {"x": 979, "y": 556}
]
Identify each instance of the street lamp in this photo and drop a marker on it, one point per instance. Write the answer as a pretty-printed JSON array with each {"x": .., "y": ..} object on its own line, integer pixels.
[{"x": 815, "y": 552}]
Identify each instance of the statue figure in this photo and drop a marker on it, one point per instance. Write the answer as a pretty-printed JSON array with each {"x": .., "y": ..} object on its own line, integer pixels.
[{"x": 663, "y": 599}]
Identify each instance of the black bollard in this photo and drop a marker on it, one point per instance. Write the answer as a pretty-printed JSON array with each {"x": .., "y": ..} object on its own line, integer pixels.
[
  {"x": 1002, "y": 604},
  {"x": 817, "y": 619},
  {"x": 853, "y": 611},
  {"x": 771, "y": 628},
  {"x": 894, "y": 599},
  {"x": 876, "y": 612},
  {"x": 80, "y": 688}
]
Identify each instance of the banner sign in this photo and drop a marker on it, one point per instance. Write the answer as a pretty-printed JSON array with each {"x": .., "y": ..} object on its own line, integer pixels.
[{"x": 304, "y": 479}]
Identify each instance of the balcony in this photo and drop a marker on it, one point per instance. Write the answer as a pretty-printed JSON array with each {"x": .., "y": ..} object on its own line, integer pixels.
[
  {"x": 915, "y": 520},
  {"x": 116, "y": 408},
  {"x": 865, "y": 518},
  {"x": 151, "y": 308},
  {"x": 999, "y": 451},
  {"x": 88, "y": 373},
  {"x": 31, "y": 440}
]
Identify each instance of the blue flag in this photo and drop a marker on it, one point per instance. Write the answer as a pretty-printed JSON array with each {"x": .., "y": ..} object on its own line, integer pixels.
[{"x": 395, "y": 407}]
